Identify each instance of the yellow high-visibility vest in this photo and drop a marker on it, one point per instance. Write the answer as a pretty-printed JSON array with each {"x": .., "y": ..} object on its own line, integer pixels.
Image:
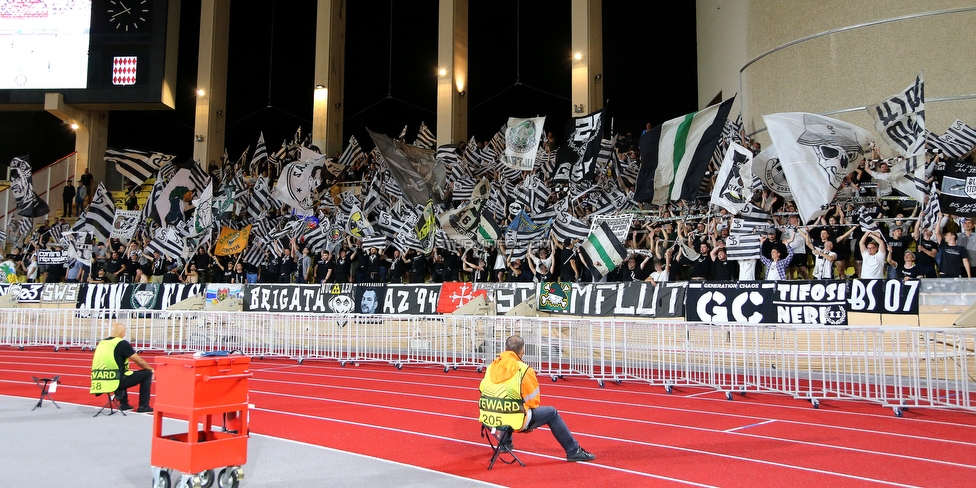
[
  {"x": 106, "y": 373},
  {"x": 501, "y": 403}
]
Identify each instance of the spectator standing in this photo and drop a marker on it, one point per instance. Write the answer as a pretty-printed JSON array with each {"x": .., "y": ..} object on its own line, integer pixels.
[
  {"x": 872, "y": 256},
  {"x": 81, "y": 193},
  {"x": 68, "y": 197}
]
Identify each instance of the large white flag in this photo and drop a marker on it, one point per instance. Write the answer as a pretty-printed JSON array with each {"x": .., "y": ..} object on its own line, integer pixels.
[
  {"x": 900, "y": 119},
  {"x": 733, "y": 186},
  {"x": 817, "y": 153},
  {"x": 298, "y": 185},
  {"x": 768, "y": 169},
  {"x": 522, "y": 142}
]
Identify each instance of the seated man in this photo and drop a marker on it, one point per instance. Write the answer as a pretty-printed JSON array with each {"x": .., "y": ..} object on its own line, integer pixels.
[
  {"x": 510, "y": 397},
  {"x": 110, "y": 370}
]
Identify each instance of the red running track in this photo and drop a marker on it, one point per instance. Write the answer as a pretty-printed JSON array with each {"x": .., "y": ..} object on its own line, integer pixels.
[{"x": 641, "y": 435}]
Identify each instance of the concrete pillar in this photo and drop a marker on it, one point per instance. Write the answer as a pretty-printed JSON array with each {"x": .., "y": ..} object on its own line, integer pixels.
[
  {"x": 91, "y": 134},
  {"x": 587, "y": 45},
  {"x": 452, "y": 75},
  {"x": 210, "y": 119},
  {"x": 330, "y": 69}
]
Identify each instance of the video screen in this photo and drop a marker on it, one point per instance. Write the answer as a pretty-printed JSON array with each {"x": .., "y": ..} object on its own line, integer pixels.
[{"x": 44, "y": 43}]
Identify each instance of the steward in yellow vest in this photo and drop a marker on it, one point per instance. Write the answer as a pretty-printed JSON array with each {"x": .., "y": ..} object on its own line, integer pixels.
[
  {"x": 510, "y": 398},
  {"x": 111, "y": 373}
]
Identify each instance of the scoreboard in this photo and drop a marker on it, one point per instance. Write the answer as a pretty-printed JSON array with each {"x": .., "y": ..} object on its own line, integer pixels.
[{"x": 100, "y": 54}]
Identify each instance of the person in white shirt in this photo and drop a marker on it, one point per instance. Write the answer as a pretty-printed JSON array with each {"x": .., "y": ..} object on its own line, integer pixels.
[
  {"x": 873, "y": 256},
  {"x": 662, "y": 271},
  {"x": 823, "y": 268}
]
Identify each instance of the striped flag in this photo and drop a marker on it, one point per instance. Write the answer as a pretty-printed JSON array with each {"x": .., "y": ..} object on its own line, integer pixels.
[
  {"x": 100, "y": 214},
  {"x": 425, "y": 138},
  {"x": 866, "y": 220},
  {"x": 254, "y": 253},
  {"x": 675, "y": 155},
  {"x": 603, "y": 250},
  {"x": 567, "y": 226},
  {"x": 260, "y": 155},
  {"x": 743, "y": 242},
  {"x": 168, "y": 242},
  {"x": 931, "y": 209},
  {"x": 138, "y": 166},
  {"x": 957, "y": 141},
  {"x": 352, "y": 153}
]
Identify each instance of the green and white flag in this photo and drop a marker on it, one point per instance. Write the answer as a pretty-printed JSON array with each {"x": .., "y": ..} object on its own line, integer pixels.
[
  {"x": 603, "y": 250},
  {"x": 675, "y": 155}
]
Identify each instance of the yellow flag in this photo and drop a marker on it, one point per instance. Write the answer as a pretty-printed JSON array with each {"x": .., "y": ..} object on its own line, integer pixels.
[{"x": 232, "y": 241}]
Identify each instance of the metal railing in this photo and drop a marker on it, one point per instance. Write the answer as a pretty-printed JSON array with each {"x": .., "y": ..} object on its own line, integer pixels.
[{"x": 896, "y": 367}]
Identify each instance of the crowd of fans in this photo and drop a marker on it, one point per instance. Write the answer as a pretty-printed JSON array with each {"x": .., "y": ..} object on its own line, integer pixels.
[{"x": 682, "y": 241}]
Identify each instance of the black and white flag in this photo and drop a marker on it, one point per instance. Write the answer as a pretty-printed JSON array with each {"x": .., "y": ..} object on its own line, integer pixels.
[
  {"x": 901, "y": 121},
  {"x": 576, "y": 158},
  {"x": 22, "y": 185},
  {"x": 100, "y": 215},
  {"x": 138, "y": 166},
  {"x": 425, "y": 138},
  {"x": 931, "y": 209},
  {"x": 743, "y": 242},
  {"x": 125, "y": 224},
  {"x": 260, "y": 155},
  {"x": 817, "y": 153},
  {"x": 957, "y": 141},
  {"x": 733, "y": 186}
]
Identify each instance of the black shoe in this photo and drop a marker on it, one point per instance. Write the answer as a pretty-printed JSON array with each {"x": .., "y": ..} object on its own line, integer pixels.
[
  {"x": 125, "y": 406},
  {"x": 580, "y": 455},
  {"x": 144, "y": 410}
]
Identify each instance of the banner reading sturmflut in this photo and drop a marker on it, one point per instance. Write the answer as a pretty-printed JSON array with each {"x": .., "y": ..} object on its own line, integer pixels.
[{"x": 522, "y": 142}]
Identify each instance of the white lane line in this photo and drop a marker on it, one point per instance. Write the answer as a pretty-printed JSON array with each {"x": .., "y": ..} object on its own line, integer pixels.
[
  {"x": 757, "y": 424},
  {"x": 472, "y": 443},
  {"x": 628, "y": 441}
]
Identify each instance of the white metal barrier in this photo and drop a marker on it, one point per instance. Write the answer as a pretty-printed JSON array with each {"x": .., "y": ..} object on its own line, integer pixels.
[{"x": 897, "y": 367}]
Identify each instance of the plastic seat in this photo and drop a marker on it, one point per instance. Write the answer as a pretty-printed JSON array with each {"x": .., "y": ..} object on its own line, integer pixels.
[{"x": 500, "y": 440}]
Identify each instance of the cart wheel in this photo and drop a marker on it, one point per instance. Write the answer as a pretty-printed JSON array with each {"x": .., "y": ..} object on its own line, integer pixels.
[
  {"x": 21, "y": 348},
  {"x": 554, "y": 378},
  {"x": 300, "y": 360},
  {"x": 454, "y": 368},
  {"x": 55, "y": 349},
  {"x": 600, "y": 382},
  {"x": 446, "y": 369},
  {"x": 898, "y": 412},
  {"x": 163, "y": 480},
  {"x": 207, "y": 478},
  {"x": 618, "y": 381},
  {"x": 480, "y": 369},
  {"x": 728, "y": 395},
  {"x": 668, "y": 389},
  {"x": 742, "y": 393},
  {"x": 399, "y": 366},
  {"x": 342, "y": 363},
  {"x": 227, "y": 478},
  {"x": 815, "y": 403}
]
